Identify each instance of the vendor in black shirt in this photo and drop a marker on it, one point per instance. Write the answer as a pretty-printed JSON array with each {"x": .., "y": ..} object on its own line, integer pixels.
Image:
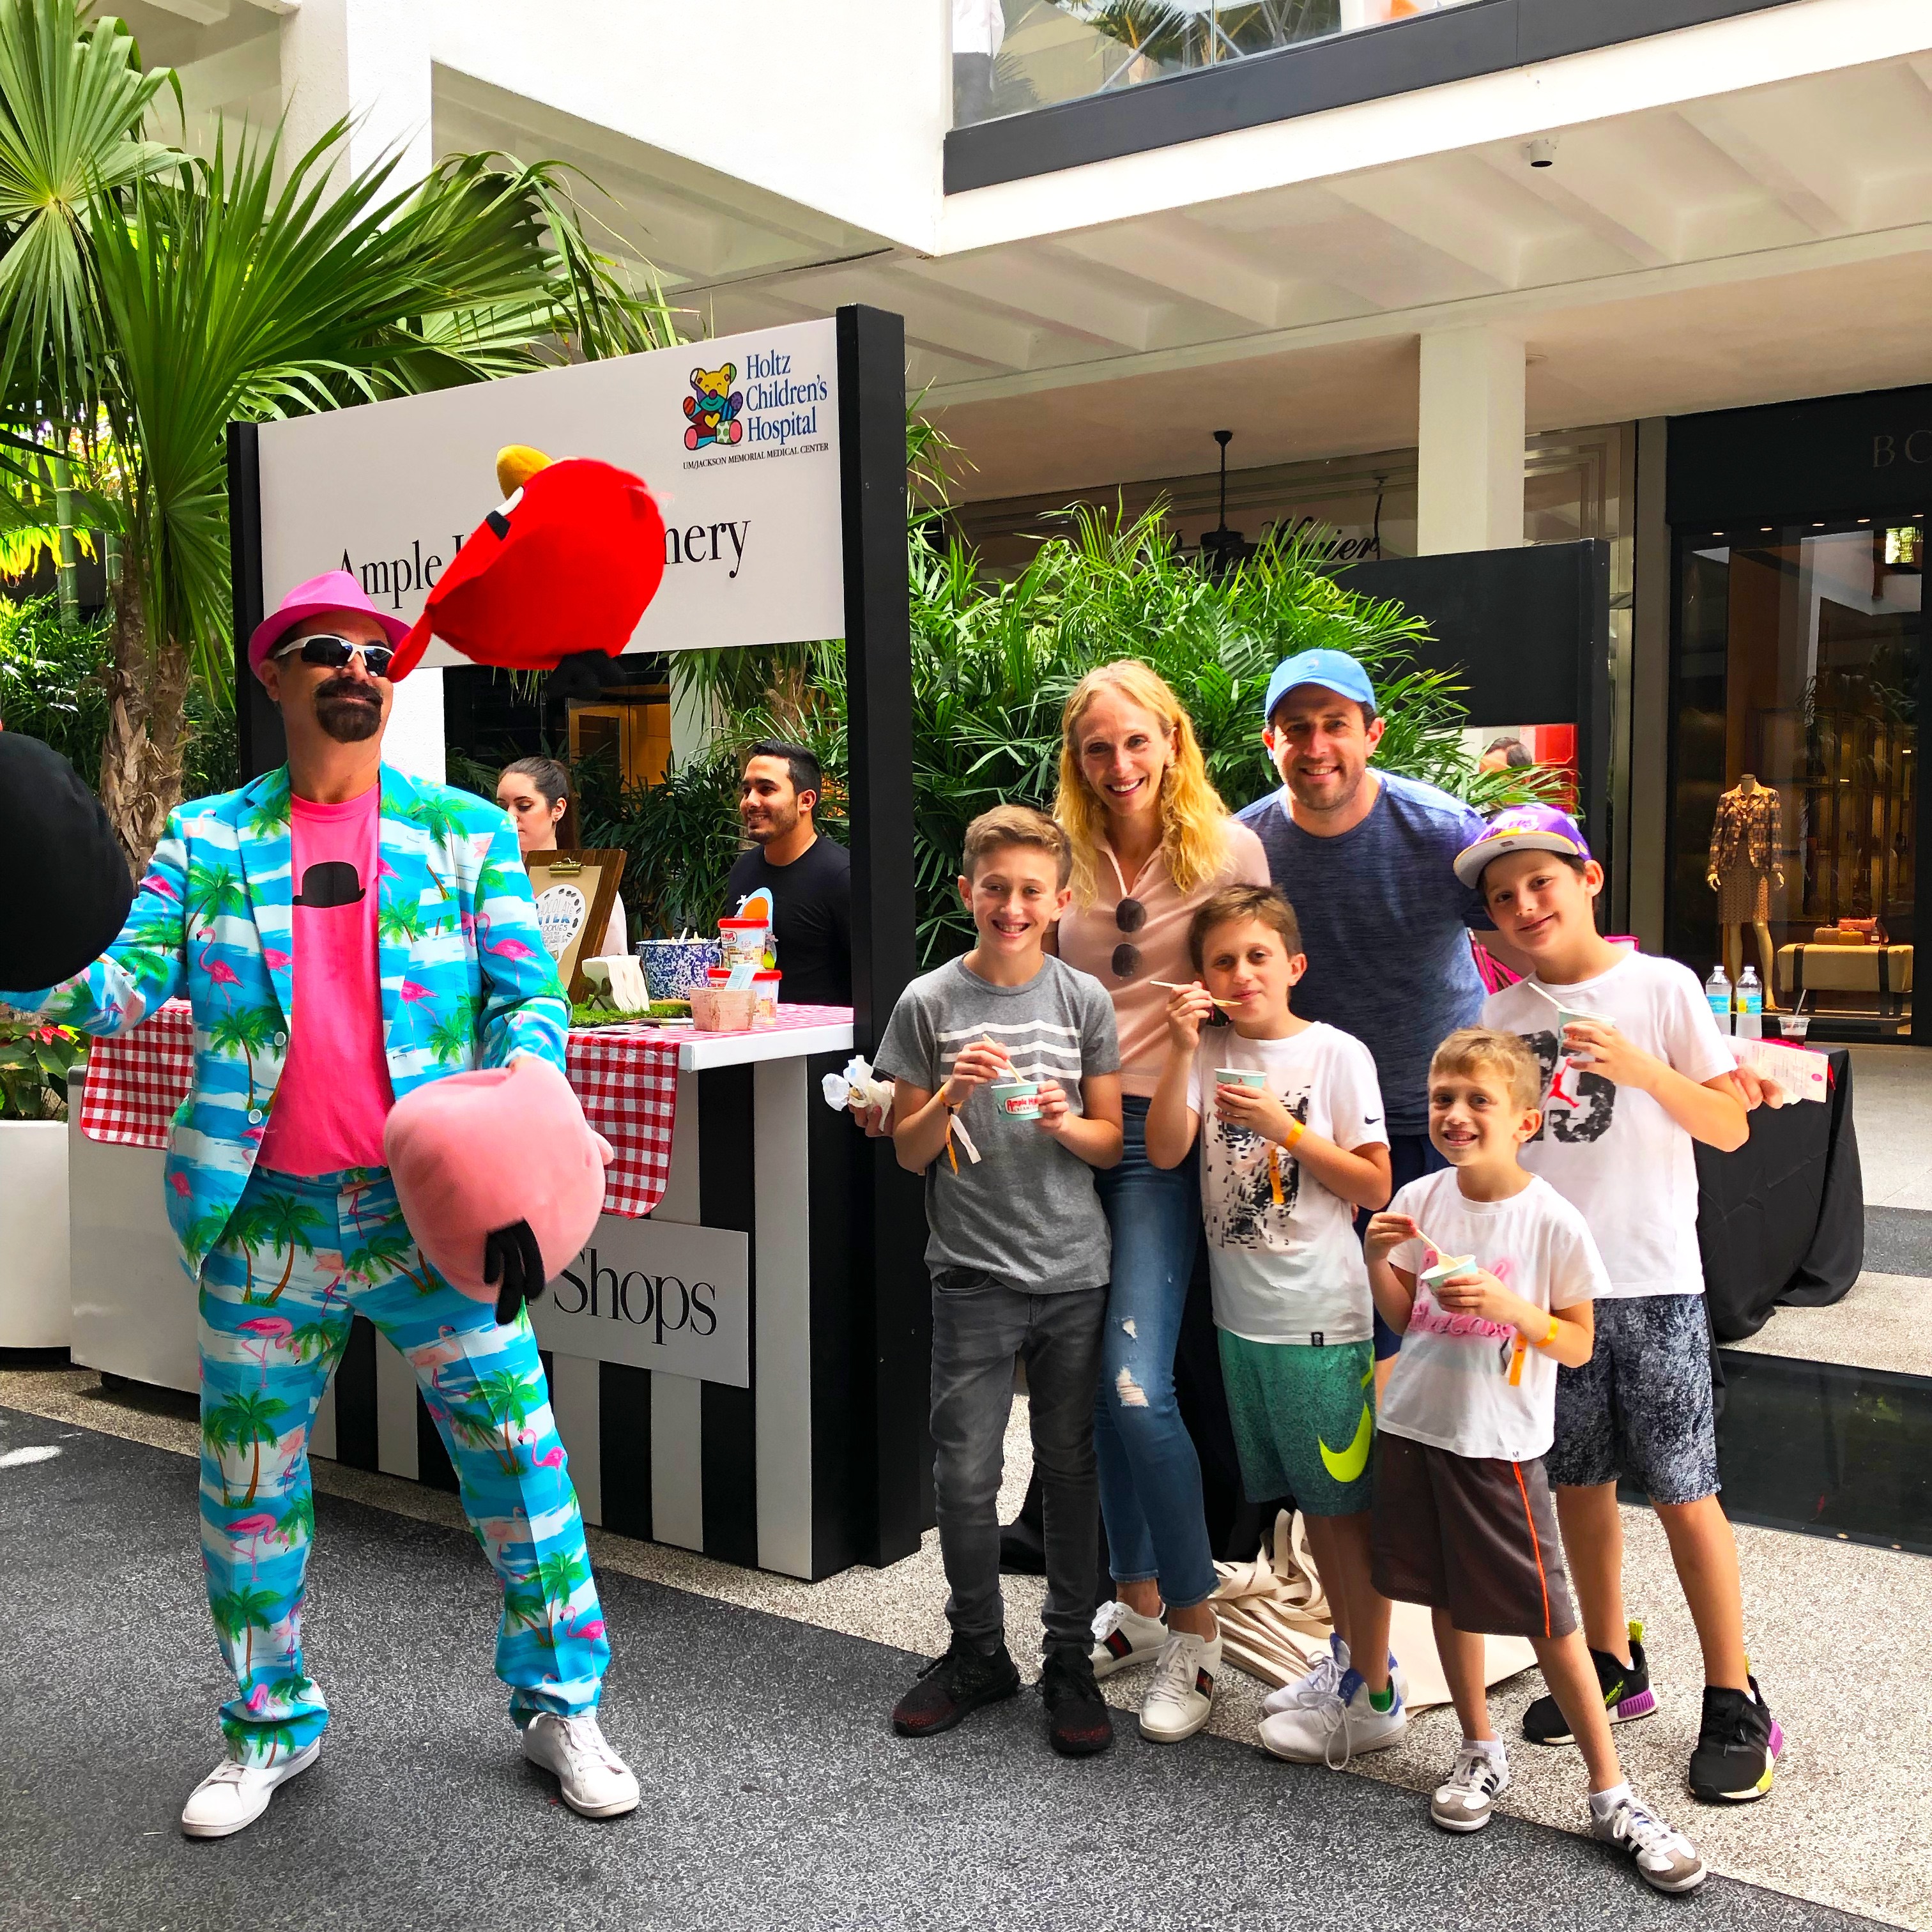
[{"x": 809, "y": 878}]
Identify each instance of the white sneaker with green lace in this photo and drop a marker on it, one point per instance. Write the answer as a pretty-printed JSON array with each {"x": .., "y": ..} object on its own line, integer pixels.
[
  {"x": 1467, "y": 1800},
  {"x": 1319, "y": 1681},
  {"x": 1332, "y": 1726},
  {"x": 594, "y": 1781},
  {"x": 1181, "y": 1696},
  {"x": 1665, "y": 1858}
]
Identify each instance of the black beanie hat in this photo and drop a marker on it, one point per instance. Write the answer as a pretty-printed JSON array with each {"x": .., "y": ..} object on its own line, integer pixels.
[{"x": 64, "y": 882}]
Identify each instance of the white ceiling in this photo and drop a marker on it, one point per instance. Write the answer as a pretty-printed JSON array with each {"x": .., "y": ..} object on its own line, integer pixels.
[{"x": 1746, "y": 248}]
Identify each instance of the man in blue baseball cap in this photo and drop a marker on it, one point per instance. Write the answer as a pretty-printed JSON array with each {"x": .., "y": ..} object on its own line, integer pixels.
[{"x": 1367, "y": 858}]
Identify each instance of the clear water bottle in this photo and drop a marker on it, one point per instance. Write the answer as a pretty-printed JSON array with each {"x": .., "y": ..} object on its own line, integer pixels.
[
  {"x": 1717, "y": 991},
  {"x": 1750, "y": 1005}
]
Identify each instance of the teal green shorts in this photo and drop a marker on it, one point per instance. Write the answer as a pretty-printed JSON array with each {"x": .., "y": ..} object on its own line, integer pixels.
[{"x": 1304, "y": 1420}]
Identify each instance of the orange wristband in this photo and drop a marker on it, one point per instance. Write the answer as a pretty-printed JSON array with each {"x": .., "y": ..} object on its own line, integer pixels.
[{"x": 1296, "y": 1129}]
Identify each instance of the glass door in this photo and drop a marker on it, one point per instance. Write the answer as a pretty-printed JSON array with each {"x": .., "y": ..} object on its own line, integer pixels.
[{"x": 1796, "y": 802}]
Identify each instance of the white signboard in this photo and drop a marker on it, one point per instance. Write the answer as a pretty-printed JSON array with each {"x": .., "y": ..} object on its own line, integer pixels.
[
  {"x": 738, "y": 438},
  {"x": 657, "y": 1294}
]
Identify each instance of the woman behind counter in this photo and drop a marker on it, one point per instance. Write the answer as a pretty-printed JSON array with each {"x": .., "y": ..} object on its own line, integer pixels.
[
  {"x": 1151, "y": 840},
  {"x": 535, "y": 792}
]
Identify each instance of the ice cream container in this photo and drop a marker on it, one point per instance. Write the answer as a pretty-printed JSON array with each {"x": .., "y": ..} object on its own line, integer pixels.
[
  {"x": 745, "y": 941},
  {"x": 765, "y": 985},
  {"x": 1448, "y": 1269},
  {"x": 1018, "y": 1098},
  {"x": 1241, "y": 1076}
]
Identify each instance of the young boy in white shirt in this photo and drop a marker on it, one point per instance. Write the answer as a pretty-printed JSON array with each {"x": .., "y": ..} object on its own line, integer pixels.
[
  {"x": 1634, "y": 1071},
  {"x": 1285, "y": 1160},
  {"x": 1489, "y": 1275}
]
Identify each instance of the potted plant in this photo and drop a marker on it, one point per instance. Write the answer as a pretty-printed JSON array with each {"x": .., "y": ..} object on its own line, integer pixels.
[{"x": 35, "y": 1059}]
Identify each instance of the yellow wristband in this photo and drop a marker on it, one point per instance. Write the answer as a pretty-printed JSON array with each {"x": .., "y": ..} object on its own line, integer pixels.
[
  {"x": 1556, "y": 1329},
  {"x": 1296, "y": 1129}
]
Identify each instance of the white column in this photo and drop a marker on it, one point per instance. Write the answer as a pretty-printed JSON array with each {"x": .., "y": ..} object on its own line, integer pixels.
[{"x": 1470, "y": 429}]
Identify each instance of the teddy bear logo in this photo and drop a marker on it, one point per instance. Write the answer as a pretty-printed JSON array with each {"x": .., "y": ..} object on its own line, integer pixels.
[{"x": 713, "y": 407}]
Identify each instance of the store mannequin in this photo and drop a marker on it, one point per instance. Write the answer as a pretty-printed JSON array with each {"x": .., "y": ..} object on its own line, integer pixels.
[{"x": 1746, "y": 838}]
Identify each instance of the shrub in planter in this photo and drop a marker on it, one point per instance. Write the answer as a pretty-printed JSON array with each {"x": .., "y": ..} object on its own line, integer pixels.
[{"x": 35, "y": 1059}]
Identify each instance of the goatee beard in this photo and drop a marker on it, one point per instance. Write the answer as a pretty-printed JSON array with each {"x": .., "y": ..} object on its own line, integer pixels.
[{"x": 348, "y": 716}]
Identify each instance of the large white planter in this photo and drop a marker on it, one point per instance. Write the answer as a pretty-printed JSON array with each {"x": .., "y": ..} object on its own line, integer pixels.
[{"x": 34, "y": 1309}]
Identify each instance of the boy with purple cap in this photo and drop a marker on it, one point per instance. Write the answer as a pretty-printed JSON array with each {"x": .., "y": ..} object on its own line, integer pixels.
[
  {"x": 1365, "y": 857},
  {"x": 1633, "y": 1072}
]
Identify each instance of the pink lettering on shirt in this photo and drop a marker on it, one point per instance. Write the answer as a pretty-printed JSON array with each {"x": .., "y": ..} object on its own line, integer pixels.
[{"x": 335, "y": 1093}]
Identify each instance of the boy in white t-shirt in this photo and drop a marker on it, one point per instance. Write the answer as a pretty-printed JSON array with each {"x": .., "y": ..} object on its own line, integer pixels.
[
  {"x": 1286, "y": 1160},
  {"x": 1634, "y": 1072},
  {"x": 1488, "y": 1276}
]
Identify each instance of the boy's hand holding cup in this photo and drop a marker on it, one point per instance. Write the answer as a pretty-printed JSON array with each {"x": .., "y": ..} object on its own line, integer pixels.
[
  {"x": 1476, "y": 1292},
  {"x": 980, "y": 1064},
  {"x": 1597, "y": 1044},
  {"x": 1258, "y": 1109},
  {"x": 1054, "y": 1113},
  {"x": 1188, "y": 1009}
]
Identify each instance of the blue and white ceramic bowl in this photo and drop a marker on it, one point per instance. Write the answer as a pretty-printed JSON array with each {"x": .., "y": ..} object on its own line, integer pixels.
[{"x": 672, "y": 966}]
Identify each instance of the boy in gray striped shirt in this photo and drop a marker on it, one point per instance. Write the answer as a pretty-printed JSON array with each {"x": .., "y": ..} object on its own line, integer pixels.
[{"x": 1020, "y": 1255}]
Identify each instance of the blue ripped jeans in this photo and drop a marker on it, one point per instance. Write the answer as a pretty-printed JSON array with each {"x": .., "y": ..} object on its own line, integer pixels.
[{"x": 1150, "y": 1474}]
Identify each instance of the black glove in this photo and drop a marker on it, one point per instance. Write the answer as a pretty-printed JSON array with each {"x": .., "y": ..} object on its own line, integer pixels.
[
  {"x": 63, "y": 879},
  {"x": 512, "y": 1254}
]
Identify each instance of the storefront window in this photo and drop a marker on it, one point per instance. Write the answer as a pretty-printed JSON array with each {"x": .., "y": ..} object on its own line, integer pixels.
[{"x": 1794, "y": 837}]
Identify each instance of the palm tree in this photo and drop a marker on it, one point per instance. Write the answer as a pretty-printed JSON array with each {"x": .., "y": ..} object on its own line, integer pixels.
[
  {"x": 443, "y": 822},
  {"x": 148, "y": 297},
  {"x": 286, "y": 1219},
  {"x": 512, "y": 1399},
  {"x": 244, "y": 1420},
  {"x": 312, "y": 1341},
  {"x": 213, "y": 892},
  {"x": 241, "y": 1613},
  {"x": 246, "y": 1230},
  {"x": 247, "y": 1030},
  {"x": 386, "y": 1252},
  {"x": 298, "y": 1520},
  {"x": 401, "y": 923},
  {"x": 559, "y": 1576},
  {"x": 453, "y": 1039}
]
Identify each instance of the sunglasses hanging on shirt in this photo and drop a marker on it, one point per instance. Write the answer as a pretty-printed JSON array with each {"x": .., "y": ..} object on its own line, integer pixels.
[{"x": 1130, "y": 915}]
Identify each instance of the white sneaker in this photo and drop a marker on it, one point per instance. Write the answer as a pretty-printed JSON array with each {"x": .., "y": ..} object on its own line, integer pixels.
[
  {"x": 232, "y": 1796},
  {"x": 1122, "y": 1636},
  {"x": 1322, "y": 1678},
  {"x": 1334, "y": 1726},
  {"x": 1665, "y": 1858},
  {"x": 596, "y": 1782},
  {"x": 1182, "y": 1694},
  {"x": 1467, "y": 1801}
]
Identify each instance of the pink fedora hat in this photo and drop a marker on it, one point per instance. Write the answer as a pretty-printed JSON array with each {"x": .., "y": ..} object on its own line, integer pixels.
[{"x": 333, "y": 590}]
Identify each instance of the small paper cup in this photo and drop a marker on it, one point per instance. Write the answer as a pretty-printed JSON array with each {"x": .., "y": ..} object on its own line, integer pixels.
[
  {"x": 1018, "y": 1098},
  {"x": 1241, "y": 1076},
  {"x": 1447, "y": 1270}
]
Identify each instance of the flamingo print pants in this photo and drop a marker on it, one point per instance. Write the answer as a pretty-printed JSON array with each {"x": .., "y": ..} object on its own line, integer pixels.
[{"x": 300, "y": 1258}]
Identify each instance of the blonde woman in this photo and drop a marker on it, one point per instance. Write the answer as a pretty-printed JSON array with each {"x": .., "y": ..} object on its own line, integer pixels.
[{"x": 1151, "y": 840}]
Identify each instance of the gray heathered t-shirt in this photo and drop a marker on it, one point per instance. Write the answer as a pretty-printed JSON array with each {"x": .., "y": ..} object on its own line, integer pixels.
[
  {"x": 1026, "y": 1211},
  {"x": 1385, "y": 923}
]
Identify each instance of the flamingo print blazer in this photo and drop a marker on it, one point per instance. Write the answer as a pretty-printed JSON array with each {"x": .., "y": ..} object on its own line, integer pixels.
[{"x": 466, "y": 980}]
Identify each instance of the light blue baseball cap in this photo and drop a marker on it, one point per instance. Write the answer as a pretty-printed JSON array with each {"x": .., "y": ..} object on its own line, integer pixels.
[{"x": 1333, "y": 670}]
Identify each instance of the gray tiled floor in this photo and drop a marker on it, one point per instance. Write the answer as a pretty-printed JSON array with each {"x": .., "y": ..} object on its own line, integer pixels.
[
  {"x": 774, "y": 1795},
  {"x": 1893, "y": 1090}
]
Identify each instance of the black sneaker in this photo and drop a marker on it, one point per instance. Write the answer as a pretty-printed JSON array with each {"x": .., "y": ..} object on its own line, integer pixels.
[
  {"x": 1737, "y": 1745},
  {"x": 1078, "y": 1722},
  {"x": 1627, "y": 1694},
  {"x": 953, "y": 1687}
]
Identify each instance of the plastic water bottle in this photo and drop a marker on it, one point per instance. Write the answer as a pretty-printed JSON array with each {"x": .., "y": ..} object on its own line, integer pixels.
[
  {"x": 1750, "y": 1005},
  {"x": 1717, "y": 991}
]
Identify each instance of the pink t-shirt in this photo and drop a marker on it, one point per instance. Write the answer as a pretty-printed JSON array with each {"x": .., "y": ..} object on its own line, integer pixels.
[{"x": 335, "y": 1093}]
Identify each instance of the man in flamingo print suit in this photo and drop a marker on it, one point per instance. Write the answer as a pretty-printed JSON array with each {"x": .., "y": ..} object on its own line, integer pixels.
[{"x": 345, "y": 933}]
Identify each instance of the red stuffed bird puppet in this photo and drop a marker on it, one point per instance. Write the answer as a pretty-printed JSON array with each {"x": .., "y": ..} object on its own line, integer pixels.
[{"x": 565, "y": 565}]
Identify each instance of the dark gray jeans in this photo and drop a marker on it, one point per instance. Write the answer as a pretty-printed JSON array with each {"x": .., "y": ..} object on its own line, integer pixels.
[{"x": 979, "y": 1325}]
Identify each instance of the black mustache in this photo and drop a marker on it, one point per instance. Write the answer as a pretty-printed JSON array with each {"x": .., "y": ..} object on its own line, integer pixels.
[{"x": 346, "y": 686}]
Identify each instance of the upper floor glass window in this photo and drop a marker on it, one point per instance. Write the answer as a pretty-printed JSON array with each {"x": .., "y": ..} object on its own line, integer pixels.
[{"x": 1009, "y": 56}]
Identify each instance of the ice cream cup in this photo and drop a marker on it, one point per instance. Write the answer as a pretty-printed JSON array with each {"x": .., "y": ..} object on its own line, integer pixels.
[
  {"x": 1241, "y": 1076},
  {"x": 1018, "y": 1098},
  {"x": 1448, "y": 1269}
]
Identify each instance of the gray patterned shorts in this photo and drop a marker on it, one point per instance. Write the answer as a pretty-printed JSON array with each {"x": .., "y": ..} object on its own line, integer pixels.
[{"x": 1639, "y": 1409}]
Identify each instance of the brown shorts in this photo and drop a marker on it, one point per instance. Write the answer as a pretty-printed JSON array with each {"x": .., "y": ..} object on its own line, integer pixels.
[{"x": 1477, "y": 1538}]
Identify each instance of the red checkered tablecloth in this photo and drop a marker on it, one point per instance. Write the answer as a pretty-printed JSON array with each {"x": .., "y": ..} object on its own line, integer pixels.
[
  {"x": 626, "y": 1077},
  {"x": 136, "y": 1081}
]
